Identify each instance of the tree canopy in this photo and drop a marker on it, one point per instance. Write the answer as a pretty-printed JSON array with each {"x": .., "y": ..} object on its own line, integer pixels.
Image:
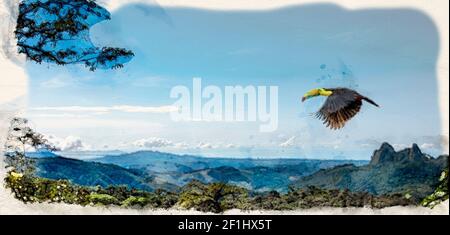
[{"x": 57, "y": 31}]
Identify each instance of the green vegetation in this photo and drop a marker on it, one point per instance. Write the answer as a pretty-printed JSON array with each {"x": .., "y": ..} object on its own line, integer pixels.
[
  {"x": 31, "y": 189},
  {"x": 311, "y": 196},
  {"x": 103, "y": 199},
  {"x": 440, "y": 194},
  {"x": 214, "y": 197}
]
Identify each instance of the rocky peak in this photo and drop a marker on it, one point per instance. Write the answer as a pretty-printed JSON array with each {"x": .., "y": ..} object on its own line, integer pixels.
[
  {"x": 387, "y": 154},
  {"x": 416, "y": 148},
  {"x": 415, "y": 154},
  {"x": 383, "y": 154}
]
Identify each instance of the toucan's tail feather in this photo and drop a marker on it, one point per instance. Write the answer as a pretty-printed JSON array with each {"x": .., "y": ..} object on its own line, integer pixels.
[{"x": 370, "y": 101}]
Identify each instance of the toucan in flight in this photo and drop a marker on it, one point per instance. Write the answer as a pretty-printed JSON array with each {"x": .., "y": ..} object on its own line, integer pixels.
[{"x": 341, "y": 105}]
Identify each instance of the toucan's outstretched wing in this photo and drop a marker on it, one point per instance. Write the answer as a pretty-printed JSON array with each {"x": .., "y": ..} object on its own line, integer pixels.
[{"x": 340, "y": 107}]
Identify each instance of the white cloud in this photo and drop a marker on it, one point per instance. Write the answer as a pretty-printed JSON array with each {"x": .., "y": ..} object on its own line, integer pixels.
[
  {"x": 203, "y": 145},
  {"x": 207, "y": 145},
  {"x": 153, "y": 142},
  {"x": 369, "y": 143},
  {"x": 77, "y": 125},
  {"x": 437, "y": 141},
  {"x": 229, "y": 146},
  {"x": 59, "y": 115},
  {"x": 427, "y": 146},
  {"x": 70, "y": 143},
  {"x": 56, "y": 82},
  {"x": 398, "y": 147},
  {"x": 424, "y": 142},
  {"x": 289, "y": 142},
  {"x": 181, "y": 145},
  {"x": 106, "y": 109},
  {"x": 156, "y": 142}
]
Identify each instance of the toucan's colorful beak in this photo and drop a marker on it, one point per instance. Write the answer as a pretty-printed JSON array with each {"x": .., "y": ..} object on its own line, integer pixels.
[{"x": 303, "y": 99}]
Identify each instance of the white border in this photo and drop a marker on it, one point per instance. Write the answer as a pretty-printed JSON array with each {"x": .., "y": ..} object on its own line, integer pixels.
[{"x": 13, "y": 90}]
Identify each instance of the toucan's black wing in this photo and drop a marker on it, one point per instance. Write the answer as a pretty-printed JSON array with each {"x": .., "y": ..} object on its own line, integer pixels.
[{"x": 340, "y": 107}]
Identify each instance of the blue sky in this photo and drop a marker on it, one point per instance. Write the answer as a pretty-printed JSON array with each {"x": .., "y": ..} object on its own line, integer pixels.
[{"x": 387, "y": 55}]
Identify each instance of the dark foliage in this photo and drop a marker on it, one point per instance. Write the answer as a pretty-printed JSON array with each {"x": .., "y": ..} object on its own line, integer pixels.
[
  {"x": 57, "y": 31},
  {"x": 215, "y": 197}
]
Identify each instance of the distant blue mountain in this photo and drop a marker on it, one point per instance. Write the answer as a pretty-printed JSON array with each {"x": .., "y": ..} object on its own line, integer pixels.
[
  {"x": 406, "y": 171},
  {"x": 87, "y": 155},
  {"x": 94, "y": 173},
  {"x": 156, "y": 161},
  {"x": 40, "y": 154},
  {"x": 255, "y": 174}
]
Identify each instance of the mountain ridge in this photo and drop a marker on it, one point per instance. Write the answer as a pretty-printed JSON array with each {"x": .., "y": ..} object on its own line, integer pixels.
[
  {"x": 406, "y": 171},
  {"x": 389, "y": 171},
  {"x": 94, "y": 173}
]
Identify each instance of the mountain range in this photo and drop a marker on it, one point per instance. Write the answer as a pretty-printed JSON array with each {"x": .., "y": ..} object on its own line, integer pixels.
[
  {"x": 253, "y": 174},
  {"x": 149, "y": 170},
  {"x": 407, "y": 171},
  {"x": 94, "y": 173}
]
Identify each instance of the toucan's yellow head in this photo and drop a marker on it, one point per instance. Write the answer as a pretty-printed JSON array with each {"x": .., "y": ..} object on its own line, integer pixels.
[{"x": 316, "y": 92}]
